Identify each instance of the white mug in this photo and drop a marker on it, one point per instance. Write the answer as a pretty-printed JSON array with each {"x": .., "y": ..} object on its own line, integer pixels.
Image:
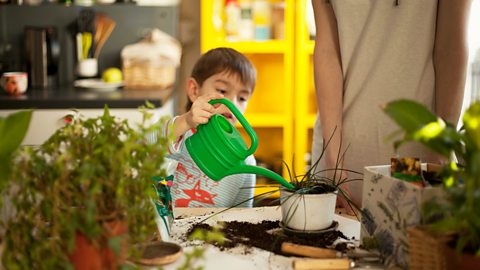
[{"x": 14, "y": 83}]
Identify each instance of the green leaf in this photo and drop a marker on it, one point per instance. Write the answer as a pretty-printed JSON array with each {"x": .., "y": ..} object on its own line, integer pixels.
[
  {"x": 13, "y": 129},
  {"x": 471, "y": 122},
  {"x": 409, "y": 114},
  {"x": 115, "y": 243}
]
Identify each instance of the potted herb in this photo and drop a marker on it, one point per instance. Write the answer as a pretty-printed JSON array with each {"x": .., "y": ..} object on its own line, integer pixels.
[
  {"x": 84, "y": 194},
  {"x": 310, "y": 206},
  {"x": 461, "y": 175}
]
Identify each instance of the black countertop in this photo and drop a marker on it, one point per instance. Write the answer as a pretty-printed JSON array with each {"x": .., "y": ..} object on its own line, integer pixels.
[{"x": 70, "y": 97}]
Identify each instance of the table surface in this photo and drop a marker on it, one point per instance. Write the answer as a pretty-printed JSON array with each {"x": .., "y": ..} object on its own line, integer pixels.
[{"x": 237, "y": 258}]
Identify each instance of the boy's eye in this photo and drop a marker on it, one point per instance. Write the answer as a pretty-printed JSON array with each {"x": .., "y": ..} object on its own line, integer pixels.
[
  {"x": 221, "y": 91},
  {"x": 242, "y": 99}
]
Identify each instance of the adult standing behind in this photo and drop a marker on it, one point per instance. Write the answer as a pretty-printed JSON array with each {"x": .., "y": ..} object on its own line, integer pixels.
[{"x": 369, "y": 52}]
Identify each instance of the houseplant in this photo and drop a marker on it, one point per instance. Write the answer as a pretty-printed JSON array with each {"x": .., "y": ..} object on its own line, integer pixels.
[
  {"x": 461, "y": 174},
  {"x": 13, "y": 129},
  {"x": 310, "y": 206},
  {"x": 86, "y": 189}
]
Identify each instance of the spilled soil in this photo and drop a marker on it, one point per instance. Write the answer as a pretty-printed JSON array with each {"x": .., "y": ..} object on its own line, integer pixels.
[{"x": 268, "y": 235}]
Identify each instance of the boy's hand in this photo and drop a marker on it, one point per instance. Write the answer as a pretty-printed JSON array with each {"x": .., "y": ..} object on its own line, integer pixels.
[{"x": 201, "y": 110}]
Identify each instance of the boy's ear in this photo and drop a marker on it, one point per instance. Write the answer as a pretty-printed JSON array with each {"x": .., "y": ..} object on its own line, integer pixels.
[{"x": 192, "y": 89}]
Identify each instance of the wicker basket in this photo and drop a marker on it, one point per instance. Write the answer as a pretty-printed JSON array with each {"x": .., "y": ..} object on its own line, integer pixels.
[
  {"x": 152, "y": 62},
  {"x": 426, "y": 249},
  {"x": 148, "y": 77}
]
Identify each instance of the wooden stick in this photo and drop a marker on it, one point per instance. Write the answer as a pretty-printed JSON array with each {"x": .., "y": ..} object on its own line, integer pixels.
[
  {"x": 318, "y": 264},
  {"x": 107, "y": 27},
  {"x": 308, "y": 251}
]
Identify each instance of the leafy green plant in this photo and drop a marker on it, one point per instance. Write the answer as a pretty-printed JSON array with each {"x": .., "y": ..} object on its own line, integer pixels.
[
  {"x": 326, "y": 180},
  {"x": 13, "y": 129},
  {"x": 88, "y": 170},
  {"x": 461, "y": 174}
]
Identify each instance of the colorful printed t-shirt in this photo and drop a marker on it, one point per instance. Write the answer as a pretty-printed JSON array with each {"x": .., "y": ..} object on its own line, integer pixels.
[{"x": 192, "y": 188}]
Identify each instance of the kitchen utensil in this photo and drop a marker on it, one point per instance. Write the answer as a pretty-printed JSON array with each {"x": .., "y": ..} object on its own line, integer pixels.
[
  {"x": 42, "y": 51},
  {"x": 86, "y": 44},
  {"x": 218, "y": 149},
  {"x": 105, "y": 26},
  {"x": 86, "y": 23}
]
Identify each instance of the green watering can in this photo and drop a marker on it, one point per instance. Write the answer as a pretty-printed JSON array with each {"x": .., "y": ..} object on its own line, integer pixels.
[{"x": 218, "y": 149}]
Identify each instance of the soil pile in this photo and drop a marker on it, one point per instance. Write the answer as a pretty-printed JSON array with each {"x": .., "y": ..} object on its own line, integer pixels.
[{"x": 267, "y": 235}]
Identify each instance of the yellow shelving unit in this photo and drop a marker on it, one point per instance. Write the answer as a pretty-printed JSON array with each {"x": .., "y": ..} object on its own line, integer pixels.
[
  {"x": 305, "y": 107},
  {"x": 270, "y": 110},
  {"x": 283, "y": 108}
]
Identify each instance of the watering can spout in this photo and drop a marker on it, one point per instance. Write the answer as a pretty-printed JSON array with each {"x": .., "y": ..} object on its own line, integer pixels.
[{"x": 242, "y": 169}]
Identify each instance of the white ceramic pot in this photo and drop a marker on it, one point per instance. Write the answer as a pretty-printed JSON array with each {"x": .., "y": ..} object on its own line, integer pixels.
[{"x": 307, "y": 212}]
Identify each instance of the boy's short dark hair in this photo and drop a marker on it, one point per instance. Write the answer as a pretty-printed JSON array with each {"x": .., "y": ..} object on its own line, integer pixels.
[{"x": 220, "y": 60}]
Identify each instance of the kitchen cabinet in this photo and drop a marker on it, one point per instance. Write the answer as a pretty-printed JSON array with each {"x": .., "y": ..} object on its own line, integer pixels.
[{"x": 282, "y": 109}]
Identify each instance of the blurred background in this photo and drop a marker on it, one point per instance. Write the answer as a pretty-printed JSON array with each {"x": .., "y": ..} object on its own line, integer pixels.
[{"x": 65, "y": 46}]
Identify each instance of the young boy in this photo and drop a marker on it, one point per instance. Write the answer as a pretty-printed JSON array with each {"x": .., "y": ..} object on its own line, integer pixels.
[{"x": 219, "y": 73}]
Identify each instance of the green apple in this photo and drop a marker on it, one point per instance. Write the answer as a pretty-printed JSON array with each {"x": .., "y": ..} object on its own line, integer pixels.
[{"x": 112, "y": 75}]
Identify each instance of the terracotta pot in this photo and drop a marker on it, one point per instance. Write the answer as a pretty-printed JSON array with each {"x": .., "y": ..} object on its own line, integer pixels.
[
  {"x": 461, "y": 261},
  {"x": 88, "y": 255},
  {"x": 307, "y": 212}
]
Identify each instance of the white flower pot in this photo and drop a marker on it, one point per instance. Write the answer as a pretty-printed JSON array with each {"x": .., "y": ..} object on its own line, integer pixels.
[{"x": 307, "y": 212}]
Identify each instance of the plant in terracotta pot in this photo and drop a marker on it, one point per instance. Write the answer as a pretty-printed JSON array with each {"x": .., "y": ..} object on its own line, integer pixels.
[
  {"x": 461, "y": 174},
  {"x": 310, "y": 206},
  {"x": 83, "y": 197}
]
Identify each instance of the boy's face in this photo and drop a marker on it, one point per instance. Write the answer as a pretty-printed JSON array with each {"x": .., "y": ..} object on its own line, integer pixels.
[{"x": 227, "y": 84}]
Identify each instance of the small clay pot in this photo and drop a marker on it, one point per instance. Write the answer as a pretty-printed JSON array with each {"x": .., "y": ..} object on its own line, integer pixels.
[{"x": 90, "y": 255}]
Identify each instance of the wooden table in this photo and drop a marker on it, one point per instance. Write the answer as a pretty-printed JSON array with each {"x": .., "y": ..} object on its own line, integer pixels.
[{"x": 237, "y": 258}]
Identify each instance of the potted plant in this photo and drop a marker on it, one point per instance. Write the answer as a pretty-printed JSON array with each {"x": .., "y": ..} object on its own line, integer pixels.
[
  {"x": 310, "y": 206},
  {"x": 461, "y": 174},
  {"x": 85, "y": 194},
  {"x": 13, "y": 129}
]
